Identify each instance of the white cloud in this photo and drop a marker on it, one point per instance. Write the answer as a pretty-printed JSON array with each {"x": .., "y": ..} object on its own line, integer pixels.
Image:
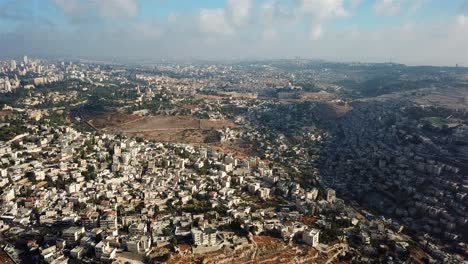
[
  {"x": 148, "y": 30},
  {"x": 239, "y": 11},
  {"x": 323, "y": 9},
  {"x": 416, "y": 5},
  {"x": 355, "y": 3},
  {"x": 213, "y": 21},
  {"x": 269, "y": 29},
  {"x": 462, "y": 20},
  {"x": 317, "y": 32},
  {"x": 387, "y": 7},
  {"x": 407, "y": 28},
  {"x": 108, "y": 9},
  {"x": 117, "y": 8},
  {"x": 275, "y": 12},
  {"x": 172, "y": 18}
]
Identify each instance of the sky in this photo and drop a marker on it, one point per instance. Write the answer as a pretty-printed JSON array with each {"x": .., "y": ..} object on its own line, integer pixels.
[{"x": 414, "y": 32}]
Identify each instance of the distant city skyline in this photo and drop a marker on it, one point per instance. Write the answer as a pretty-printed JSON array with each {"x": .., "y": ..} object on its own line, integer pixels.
[{"x": 413, "y": 32}]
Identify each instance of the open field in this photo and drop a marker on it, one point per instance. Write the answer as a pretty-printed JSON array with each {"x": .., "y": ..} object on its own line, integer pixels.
[
  {"x": 237, "y": 148},
  {"x": 222, "y": 95},
  {"x": 160, "y": 123},
  {"x": 171, "y": 123},
  {"x": 184, "y": 129},
  {"x": 102, "y": 120},
  {"x": 321, "y": 96},
  {"x": 452, "y": 98}
]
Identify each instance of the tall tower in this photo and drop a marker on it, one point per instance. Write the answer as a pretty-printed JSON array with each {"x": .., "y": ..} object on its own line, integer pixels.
[
  {"x": 25, "y": 60},
  {"x": 331, "y": 196},
  {"x": 13, "y": 65},
  {"x": 7, "y": 84}
]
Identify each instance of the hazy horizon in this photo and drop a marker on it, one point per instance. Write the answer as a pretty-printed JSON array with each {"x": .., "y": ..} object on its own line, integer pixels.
[{"x": 412, "y": 32}]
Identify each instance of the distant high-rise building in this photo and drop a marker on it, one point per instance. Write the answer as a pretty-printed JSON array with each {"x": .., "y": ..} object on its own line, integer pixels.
[
  {"x": 13, "y": 65},
  {"x": 331, "y": 196},
  {"x": 7, "y": 84},
  {"x": 25, "y": 60}
]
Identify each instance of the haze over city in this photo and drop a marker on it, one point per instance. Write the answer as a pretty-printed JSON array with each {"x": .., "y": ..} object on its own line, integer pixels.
[
  {"x": 233, "y": 131},
  {"x": 415, "y": 32}
]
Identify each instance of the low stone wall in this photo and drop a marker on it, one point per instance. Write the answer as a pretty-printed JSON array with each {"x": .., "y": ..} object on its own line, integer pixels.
[{"x": 203, "y": 249}]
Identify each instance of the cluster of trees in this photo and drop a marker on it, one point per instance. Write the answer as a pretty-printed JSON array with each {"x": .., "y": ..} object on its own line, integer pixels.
[
  {"x": 90, "y": 173},
  {"x": 332, "y": 234},
  {"x": 236, "y": 227},
  {"x": 56, "y": 119},
  {"x": 14, "y": 128},
  {"x": 60, "y": 183},
  {"x": 197, "y": 207},
  {"x": 310, "y": 87}
]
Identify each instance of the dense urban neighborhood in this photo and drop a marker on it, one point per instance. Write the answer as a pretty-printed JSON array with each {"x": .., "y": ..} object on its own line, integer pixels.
[{"x": 281, "y": 161}]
